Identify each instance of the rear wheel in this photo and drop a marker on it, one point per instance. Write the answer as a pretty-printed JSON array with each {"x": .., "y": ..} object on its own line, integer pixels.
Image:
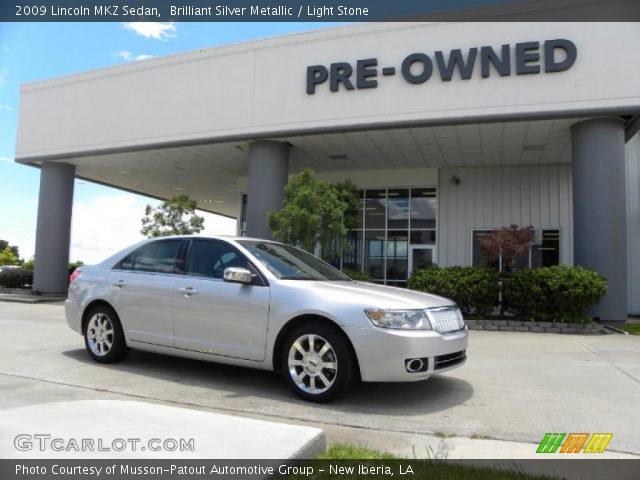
[
  {"x": 103, "y": 335},
  {"x": 317, "y": 363}
]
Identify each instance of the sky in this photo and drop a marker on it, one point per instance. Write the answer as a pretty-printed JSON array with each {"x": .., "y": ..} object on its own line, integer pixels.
[{"x": 105, "y": 219}]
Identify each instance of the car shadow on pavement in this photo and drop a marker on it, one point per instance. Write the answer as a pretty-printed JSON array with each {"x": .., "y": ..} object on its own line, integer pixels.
[{"x": 169, "y": 378}]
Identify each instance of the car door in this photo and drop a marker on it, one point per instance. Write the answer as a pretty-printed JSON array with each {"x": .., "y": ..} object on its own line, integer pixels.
[
  {"x": 142, "y": 291},
  {"x": 218, "y": 317}
]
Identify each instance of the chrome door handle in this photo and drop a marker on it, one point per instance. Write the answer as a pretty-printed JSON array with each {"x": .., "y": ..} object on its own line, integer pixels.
[
  {"x": 188, "y": 291},
  {"x": 119, "y": 283}
]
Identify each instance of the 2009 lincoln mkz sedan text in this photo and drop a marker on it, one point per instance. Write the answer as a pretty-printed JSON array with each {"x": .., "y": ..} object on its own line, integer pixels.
[{"x": 262, "y": 304}]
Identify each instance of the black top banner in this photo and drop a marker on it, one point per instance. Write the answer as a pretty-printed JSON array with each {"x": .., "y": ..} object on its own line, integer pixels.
[{"x": 316, "y": 10}]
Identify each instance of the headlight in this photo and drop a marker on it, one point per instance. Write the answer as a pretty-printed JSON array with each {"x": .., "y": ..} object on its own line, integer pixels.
[{"x": 399, "y": 319}]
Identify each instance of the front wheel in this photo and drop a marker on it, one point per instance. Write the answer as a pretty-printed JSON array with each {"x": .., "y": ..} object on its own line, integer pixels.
[
  {"x": 103, "y": 335},
  {"x": 317, "y": 363}
]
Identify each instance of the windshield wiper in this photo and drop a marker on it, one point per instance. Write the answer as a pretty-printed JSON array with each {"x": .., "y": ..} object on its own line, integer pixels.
[{"x": 297, "y": 278}]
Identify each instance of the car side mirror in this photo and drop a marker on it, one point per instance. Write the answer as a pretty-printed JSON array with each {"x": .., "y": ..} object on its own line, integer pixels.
[{"x": 237, "y": 275}]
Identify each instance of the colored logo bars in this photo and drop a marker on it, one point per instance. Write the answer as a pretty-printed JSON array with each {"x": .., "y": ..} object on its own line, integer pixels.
[{"x": 574, "y": 442}]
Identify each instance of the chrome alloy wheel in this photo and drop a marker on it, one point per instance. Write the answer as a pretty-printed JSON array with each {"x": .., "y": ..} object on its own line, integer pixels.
[
  {"x": 100, "y": 334},
  {"x": 313, "y": 364}
]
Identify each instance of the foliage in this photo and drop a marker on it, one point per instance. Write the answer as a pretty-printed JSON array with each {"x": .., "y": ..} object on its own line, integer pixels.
[
  {"x": 74, "y": 265},
  {"x": 359, "y": 276},
  {"x": 14, "y": 248},
  {"x": 30, "y": 264},
  {"x": 174, "y": 217},
  {"x": 8, "y": 257},
  {"x": 16, "y": 278},
  {"x": 632, "y": 328},
  {"x": 508, "y": 243},
  {"x": 316, "y": 215},
  {"x": 347, "y": 192},
  {"x": 474, "y": 289},
  {"x": 348, "y": 451},
  {"x": 561, "y": 293}
]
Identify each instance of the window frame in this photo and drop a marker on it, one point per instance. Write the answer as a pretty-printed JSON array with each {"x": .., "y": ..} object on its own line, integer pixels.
[{"x": 536, "y": 229}]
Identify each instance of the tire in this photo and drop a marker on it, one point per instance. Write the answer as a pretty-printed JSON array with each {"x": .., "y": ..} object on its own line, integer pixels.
[
  {"x": 325, "y": 375},
  {"x": 103, "y": 335}
]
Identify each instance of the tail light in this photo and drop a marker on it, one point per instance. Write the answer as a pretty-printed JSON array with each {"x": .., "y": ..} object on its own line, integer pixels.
[{"x": 74, "y": 275}]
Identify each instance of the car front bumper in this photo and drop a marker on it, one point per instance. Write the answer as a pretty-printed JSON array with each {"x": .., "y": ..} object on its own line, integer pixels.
[{"x": 382, "y": 353}]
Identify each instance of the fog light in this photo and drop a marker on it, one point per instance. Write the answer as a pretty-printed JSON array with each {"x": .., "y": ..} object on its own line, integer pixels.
[{"x": 415, "y": 365}]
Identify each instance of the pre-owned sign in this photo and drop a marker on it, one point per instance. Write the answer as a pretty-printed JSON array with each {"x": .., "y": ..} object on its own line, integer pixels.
[{"x": 417, "y": 68}]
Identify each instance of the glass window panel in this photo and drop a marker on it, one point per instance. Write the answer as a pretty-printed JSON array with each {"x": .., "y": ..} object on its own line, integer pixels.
[
  {"x": 479, "y": 259},
  {"x": 243, "y": 216},
  {"x": 397, "y": 259},
  {"x": 375, "y": 209},
  {"x": 421, "y": 258},
  {"x": 398, "y": 208},
  {"x": 210, "y": 259},
  {"x": 352, "y": 254},
  {"x": 361, "y": 210},
  {"x": 423, "y": 208},
  {"x": 423, "y": 237},
  {"x": 153, "y": 257},
  {"x": 374, "y": 253},
  {"x": 545, "y": 251}
]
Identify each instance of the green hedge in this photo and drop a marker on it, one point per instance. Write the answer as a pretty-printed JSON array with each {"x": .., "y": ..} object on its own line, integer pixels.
[
  {"x": 360, "y": 276},
  {"x": 474, "y": 289},
  {"x": 561, "y": 293},
  {"x": 16, "y": 278}
]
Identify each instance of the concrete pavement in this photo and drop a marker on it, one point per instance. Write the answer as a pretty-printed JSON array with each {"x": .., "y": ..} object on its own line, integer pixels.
[
  {"x": 129, "y": 429},
  {"x": 514, "y": 388}
]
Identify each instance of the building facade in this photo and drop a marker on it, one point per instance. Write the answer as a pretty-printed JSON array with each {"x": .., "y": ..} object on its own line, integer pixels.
[{"x": 450, "y": 130}]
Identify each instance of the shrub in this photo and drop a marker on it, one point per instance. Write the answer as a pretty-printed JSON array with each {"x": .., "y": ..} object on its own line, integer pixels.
[
  {"x": 359, "y": 276},
  {"x": 474, "y": 289},
  {"x": 561, "y": 293},
  {"x": 16, "y": 278}
]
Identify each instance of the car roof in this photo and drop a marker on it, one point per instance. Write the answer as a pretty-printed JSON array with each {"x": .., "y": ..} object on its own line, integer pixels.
[{"x": 214, "y": 237}]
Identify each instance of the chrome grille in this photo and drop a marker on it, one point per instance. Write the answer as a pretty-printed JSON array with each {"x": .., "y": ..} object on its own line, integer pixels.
[{"x": 447, "y": 319}]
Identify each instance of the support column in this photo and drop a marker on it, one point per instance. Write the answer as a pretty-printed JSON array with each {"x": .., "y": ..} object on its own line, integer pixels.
[
  {"x": 599, "y": 209},
  {"x": 268, "y": 175},
  {"x": 53, "y": 231}
]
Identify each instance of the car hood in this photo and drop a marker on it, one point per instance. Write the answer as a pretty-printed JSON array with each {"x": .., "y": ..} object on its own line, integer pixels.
[{"x": 371, "y": 295}]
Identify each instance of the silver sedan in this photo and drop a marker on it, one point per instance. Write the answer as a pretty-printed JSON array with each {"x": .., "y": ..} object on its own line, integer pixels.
[{"x": 262, "y": 304}]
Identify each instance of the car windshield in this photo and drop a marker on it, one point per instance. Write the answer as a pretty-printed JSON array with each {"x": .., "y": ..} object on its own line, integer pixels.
[{"x": 290, "y": 263}]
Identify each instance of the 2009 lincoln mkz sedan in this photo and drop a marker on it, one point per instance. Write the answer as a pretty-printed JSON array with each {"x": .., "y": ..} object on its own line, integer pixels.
[{"x": 262, "y": 304}]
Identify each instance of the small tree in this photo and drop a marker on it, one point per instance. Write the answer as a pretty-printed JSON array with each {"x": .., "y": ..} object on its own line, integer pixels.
[
  {"x": 316, "y": 215},
  {"x": 14, "y": 248},
  {"x": 7, "y": 257},
  {"x": 174, "y": 217},
  {"x": 505, "y": 244}
]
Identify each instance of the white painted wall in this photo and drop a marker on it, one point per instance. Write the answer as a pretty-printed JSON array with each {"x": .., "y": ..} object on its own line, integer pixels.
[
  {"x": 495, "y": 197},
  {"x": 259, "y": 88},
  {"x": 633, "y": 221}
]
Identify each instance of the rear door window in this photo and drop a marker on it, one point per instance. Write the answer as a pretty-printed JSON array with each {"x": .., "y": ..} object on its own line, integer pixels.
[{"x": 159, "y": 257}]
